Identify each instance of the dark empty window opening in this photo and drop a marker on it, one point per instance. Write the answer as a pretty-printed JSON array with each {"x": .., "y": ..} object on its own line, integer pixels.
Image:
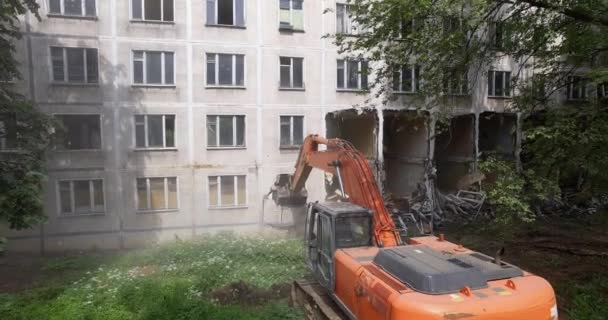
[
  {"x": 497, "y": 134},
  {"x": 226, "y": 12},
  {"x": 79, "y": 132}
]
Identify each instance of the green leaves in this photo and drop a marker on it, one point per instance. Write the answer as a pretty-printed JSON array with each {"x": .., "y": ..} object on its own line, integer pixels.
[{"x": 22, "y": 169}]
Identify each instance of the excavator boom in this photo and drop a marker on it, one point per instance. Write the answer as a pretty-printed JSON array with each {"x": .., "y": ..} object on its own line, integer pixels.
[{"x": 355, "y": 177}]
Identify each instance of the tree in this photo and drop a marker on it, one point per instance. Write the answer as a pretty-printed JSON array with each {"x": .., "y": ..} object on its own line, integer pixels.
[
  {"x": 24, "y": 130},
  {"x": 558, "y": 46}
]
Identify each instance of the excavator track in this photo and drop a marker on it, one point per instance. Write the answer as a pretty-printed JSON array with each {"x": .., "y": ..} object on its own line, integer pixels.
[{"x": 314, "y": 300}]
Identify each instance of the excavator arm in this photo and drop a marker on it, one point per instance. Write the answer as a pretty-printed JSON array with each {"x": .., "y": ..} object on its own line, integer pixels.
[{"x": 356, "y": 180}]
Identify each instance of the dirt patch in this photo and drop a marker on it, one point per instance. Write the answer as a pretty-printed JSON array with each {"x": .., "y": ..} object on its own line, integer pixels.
[{"x": 244, "y": 294}]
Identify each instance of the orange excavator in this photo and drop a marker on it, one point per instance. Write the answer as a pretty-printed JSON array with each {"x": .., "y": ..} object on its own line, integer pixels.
[{"x": 362, "y": 270}]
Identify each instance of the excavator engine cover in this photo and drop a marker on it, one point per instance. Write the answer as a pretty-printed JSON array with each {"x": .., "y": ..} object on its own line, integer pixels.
[{"x": 432, "y": 272}]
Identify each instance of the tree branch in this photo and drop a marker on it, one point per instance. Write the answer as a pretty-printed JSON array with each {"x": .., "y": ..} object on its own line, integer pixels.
[{"x": 576, "y": 14}]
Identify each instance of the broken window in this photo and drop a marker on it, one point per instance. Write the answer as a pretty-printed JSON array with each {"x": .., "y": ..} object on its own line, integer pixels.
[
  {"x": 499, "y": 83},
  {"x": 74, "y": 65},
  {"x": 455, "y": 83},
  {"x": 226, "y": 12},
  {"x": 344, "y": 21},
  {"x": 500, "y": 35},
  {"x": 153, "y": 68},
  {"x": 228, "y": 191},
  {"x": 81, "y": 196},
  {"x": 157, "y": 194},
  {"x": 225, "y": 69},
  {"x": 80, "y": 132},
  {"x": 292, "y": 131},
  {"x": 154, "y": 131},
  {"x": 225, "y": 131},
  {"x": 291, "y": 72},
  {"x": 406, "y": 79},
  {"x": 152, "y": 10},
  {"x": 291, "y": 15},
  {"x": 577, "y": 88},
  {"x": 8, "y": 132},
  {"x": 73, "y": 7},
  {"x": 352, "y": 74}
]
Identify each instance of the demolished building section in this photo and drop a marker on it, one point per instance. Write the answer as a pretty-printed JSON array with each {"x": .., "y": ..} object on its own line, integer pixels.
[{"x": 417, "y": 156}]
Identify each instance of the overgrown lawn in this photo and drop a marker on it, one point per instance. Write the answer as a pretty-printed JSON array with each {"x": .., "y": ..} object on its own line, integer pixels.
[{"x": 182, "y": 280}]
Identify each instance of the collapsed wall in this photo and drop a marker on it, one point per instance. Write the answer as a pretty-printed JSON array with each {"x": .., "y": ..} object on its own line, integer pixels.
[{"x": 413, "y": 147}]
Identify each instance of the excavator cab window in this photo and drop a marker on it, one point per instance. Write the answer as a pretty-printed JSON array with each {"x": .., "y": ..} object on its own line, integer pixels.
[{"x": 353, "y": 231}]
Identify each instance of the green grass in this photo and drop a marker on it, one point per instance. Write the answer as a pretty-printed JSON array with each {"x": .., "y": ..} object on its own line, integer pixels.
[
  {"x": 173, "y": 281},
  {"x": 587, "y": 301}
]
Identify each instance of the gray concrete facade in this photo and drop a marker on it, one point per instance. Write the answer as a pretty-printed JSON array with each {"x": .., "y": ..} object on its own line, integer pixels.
[{"x": 400, "y": 162}]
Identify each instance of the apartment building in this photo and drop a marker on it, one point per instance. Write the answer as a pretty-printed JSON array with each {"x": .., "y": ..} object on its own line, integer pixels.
[{"x": 179, "y": 114}]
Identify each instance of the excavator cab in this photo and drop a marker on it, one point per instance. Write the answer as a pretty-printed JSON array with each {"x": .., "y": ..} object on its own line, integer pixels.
[{"x": 331, "y": 226}]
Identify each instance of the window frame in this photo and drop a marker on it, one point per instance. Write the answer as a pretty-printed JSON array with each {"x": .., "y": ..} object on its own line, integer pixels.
[
  {"x": 149, "y": 197},
  {"x": 101, "y": 132},
  {"x": 234, "y": 131},
  {"x": 290, "y": 26},
  {"x": 144, "y": 71},
  {"x": 492, "y": 93},
  {"x": 73, "y": 213},
  {"x": 584, "y": 83},
  {"x": 234, "y": 17},
  {"x": 349, "y": 25},
  {"x": 463, "y": 85},
  {"x": 291, "y": 74},
  {"x": 415, "y": 72},
  {"x": 66, "y": 80},
  {"x": 217, "y": 71},
  {"x": 143, "y": 13},
  {"x": 164, "y": 131},
  {"x": 360, "y": 75},
  {"x": 292, "y": 146},
  {"x": 83, "y": 14},
  {"x": 220, "y": 205}
]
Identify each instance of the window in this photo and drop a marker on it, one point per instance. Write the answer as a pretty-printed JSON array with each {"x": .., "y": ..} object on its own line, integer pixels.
[
  {"x": 407, "y": 79},
  {"x": 344, "y": 22},
  {"x": 292, "y": 131},
  {"x": 291, "y": 15},
  {"x": 577, "y": 88},
  {"x": 602, "y": 90},
  {"x": 153, "y": 68},
  {"x": 154, "y": 131},
  {"x": 455, "y": 83},
  {"x": 81, "y": 196},
  {"x": 80, "y": 132},
  {"x": 82, "y": 8},
  {"x": 225, "y": 131},
  {"x": 499, "y": 83},
  {"x": 152, "y": 10},
  {"x": 74, "y": 65},
  {"x": 156, "y": 194},
  {"x": 8, "y": 132},
  {"x": 227, "y": 191},
  {"x": 291, "y": 72},
  {"x": 500, "y": 35},
  {"x": 352, "y": 74},
  {"x": 451, "y": 25},
  {"x": 226, "y": 12},
  {"x": 353, "y": 232},
  {"x": 225, "y": 69}
]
